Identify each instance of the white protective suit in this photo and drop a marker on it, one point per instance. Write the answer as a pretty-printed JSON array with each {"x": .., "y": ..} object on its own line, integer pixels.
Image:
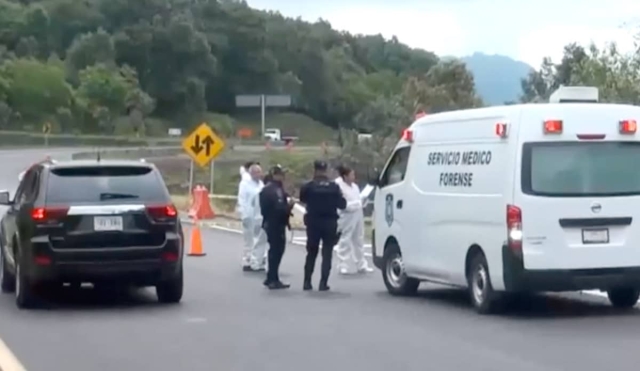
[
  {"x": 244, "y": 174},
  {"x": 254, "y": 252},
  {"x": 350, "y": 251}
]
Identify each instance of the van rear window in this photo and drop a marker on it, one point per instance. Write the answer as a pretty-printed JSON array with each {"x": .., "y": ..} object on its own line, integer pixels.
[
  {"x": 581, "y": 169},
  {"x": 105, "y": 183}
]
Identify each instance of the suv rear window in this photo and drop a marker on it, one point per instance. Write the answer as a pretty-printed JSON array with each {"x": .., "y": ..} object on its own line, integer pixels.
[
  {"x": 581, "y": 169},
  {"x": 105, "y": 183}
]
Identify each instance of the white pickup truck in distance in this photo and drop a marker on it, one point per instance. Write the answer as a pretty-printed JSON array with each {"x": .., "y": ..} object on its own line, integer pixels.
[{"x": 275, "y": 135}]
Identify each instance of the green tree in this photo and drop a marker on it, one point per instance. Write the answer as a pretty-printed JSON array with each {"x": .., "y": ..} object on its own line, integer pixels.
[
  {"x": 616, "y": 76},
  {"x": 106, "y": 93},
  {"x": 89, "y": 49},
  {"x": 35, "y": 89}
]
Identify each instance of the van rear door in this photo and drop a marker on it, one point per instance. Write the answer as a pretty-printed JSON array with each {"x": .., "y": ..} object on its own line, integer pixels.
[{"x": 580, "y": 201}]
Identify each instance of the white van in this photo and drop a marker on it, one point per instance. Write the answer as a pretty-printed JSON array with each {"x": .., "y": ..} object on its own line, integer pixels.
[{"x": 514, "y": 199}]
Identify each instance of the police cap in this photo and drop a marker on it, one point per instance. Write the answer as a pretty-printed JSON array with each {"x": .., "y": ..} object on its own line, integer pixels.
[
  {"x": 276, "y": 170},
  {"x": 320, "y": 165}
]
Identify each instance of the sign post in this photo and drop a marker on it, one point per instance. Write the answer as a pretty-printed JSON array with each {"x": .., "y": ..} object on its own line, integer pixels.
[
  {"x": 212, "y": 167},
  {"x": 46, "y": 130},
  {"x": 263, "y": 101},
  {"x": 203, "y": 146}
]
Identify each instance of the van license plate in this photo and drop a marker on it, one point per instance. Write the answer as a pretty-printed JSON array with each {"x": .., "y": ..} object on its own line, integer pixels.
[
  {"x": 595, "y": 236},
  {"x": 107, "y": 223}
]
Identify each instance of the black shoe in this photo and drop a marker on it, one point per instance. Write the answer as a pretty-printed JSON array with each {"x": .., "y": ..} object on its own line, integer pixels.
[
  {"x": 307, "y": 286},
  {"x": 278, "y": 285},
  {"x": 266, "y": 282},
  {"x": 323, "y": 287}
]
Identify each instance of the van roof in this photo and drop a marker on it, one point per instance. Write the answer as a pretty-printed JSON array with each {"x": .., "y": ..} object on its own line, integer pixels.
[{"x": 475, "y": 113}]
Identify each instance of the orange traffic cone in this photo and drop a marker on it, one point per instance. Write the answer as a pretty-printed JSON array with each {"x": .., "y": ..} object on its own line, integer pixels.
[{"x": 196, "y": 241}]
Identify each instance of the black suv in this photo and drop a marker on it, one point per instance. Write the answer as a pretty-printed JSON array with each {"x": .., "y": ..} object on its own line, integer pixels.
[{"x": 105, "y": 222}]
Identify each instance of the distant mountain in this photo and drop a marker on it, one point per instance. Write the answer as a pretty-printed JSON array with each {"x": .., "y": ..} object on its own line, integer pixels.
[{"x": 497, "y": 77}]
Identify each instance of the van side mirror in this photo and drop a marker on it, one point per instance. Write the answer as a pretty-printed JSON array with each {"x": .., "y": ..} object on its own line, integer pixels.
[
  {"x": 5, "y": 198},
  {"x": 374, "y": 177}
]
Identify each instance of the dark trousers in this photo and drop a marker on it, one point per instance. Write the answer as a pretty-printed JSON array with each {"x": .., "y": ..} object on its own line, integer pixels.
[
  {"x": 277, "y": 241},
  {"x": 324, "y": 231}
]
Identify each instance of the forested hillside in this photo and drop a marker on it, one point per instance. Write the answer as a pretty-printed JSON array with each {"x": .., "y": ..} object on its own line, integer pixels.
[{"x": 101, "y": 66}]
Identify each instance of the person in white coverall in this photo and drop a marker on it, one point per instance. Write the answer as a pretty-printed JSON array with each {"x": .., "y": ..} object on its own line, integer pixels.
[
  {"x": 244, "y": 174},
  {"x": 255, "y": 239},
  {"x": 350, "y": 252}
]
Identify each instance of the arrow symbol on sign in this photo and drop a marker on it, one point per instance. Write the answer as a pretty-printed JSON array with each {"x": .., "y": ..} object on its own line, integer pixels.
[{"x": 206, "y": 144}]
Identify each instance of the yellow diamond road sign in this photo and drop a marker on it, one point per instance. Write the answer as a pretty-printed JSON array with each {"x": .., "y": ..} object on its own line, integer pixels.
[{"x": 203, "y": 145}]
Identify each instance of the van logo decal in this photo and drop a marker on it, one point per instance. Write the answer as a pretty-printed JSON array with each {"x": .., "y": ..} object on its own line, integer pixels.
[
  {"x": 388, "y": 209},
  {"x": 596, "y": 208}
]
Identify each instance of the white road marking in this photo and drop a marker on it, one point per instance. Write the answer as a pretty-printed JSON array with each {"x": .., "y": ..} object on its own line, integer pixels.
[
  {"x": 196, "y": 320},
  {"x": 8, "y": 361}
]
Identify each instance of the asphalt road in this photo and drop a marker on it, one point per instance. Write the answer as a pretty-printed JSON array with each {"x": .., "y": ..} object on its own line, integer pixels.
[{"x": 228, "y": 321}]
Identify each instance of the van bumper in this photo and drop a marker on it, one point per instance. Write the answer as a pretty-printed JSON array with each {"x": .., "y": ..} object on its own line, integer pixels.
[{"x": 519, "y": 279}]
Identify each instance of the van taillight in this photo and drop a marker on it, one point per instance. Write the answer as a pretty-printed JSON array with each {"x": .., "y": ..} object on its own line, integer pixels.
[
  {"x": 49, "y": 214},
  {"x": 162, "y": 212},
  {"x": 514, "y": 228},
  {"x": 552, "y": 127},
  {"x": 628, "y": 126}
]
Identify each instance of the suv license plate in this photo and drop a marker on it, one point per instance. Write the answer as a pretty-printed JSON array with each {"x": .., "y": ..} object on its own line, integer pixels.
[
  {"x": 107, "y": 223},
  {"x": 595, "y": 236}
]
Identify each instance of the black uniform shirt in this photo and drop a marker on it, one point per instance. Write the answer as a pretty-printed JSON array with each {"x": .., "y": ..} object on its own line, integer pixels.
[
  {"x": 274, "y": 206},
  {"x": 323, "y": 198}
]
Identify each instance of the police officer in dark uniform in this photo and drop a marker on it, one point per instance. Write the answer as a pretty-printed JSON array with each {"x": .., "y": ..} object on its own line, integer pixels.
[
  {"x": 322, "y": 198},
  {"x": 275, "y": 206}
]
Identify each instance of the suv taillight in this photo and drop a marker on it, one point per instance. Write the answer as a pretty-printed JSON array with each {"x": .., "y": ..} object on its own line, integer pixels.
[
  {"x": 162, "y": 213},
  {"x": 514, "y": 229},
  {"x": 49, "y": 214}
]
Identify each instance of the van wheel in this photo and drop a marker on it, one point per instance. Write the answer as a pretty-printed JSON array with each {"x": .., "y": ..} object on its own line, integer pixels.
[
  {"x": 7, "y": 280},
  {"x": 394, "y": 275},
  {"x": 481, "y": 291},
  {"x": 623, "y": 297},
  {"x": 25, "y": 293}
]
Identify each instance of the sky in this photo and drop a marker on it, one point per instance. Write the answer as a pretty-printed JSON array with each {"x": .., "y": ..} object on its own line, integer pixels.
[{"x": 525, "y": 30}]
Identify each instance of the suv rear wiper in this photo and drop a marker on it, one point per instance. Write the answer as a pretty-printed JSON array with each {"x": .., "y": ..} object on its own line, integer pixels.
[{"x": 111, "y": 196}]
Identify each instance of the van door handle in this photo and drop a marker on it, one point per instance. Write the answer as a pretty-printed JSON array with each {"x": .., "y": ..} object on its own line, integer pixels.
[{"x": 399, "y": 204}]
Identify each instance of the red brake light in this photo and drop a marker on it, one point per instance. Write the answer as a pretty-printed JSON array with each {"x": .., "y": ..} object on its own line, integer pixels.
[
  {"x": 514, "y": 228},
  {"x": 553, "y": 127},
  {"x": 169, "y": 256},
  {"x": 407, "y": 135},
  {"x": 48, "y": 214},
  {"x": 42, "y": 260},
  {"x": 628, "y": 126},
  {"x": 160, "y": 212}
]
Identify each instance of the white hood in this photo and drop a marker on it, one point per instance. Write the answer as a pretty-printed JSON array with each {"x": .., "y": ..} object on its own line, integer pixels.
[
  {"x": 351, "y": 194},
  {"x": 244, "y": 174}
]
